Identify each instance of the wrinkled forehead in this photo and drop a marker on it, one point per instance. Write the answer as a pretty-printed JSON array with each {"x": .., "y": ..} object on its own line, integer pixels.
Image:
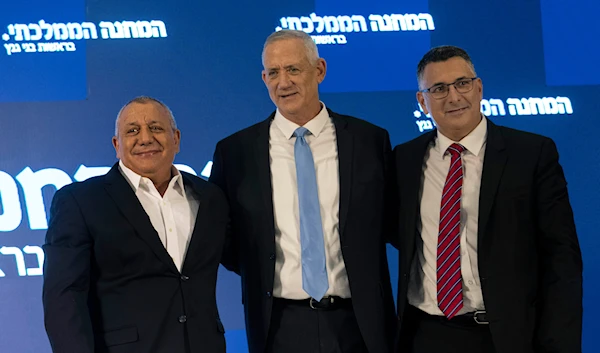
[
  {"x": 143, "y": 113},
  {"x": 284, "y": 52}
]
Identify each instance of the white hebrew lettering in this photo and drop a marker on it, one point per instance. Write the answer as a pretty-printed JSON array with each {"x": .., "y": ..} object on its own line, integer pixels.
[
  {"x": 309, "y": 24},
  {"x": 35, "y": 271},
  {"x": 485, "y": 107},
  {"x": 158, "y": 29},
  {"x": 75, "y": 31},
  {"x": 294, "y": 23},
  {"x": 398, "y": 22},
  {"x": 89, "y": 30},
  {"x": 412, "y": 22},
  {"x": 32, "y": 184},
  {"x": 11, "y": 206},
  {"x": 48, "y": 28},
  {"x": 331, "y": 24},
  {"x": 107, "y": 29},
  {"x": 497, "y": 107},
  {"x": 359, "y": 20},
  {"x": 426, "y": 21},
  {"x": 345, "y": 23},
  {"x": 550, "y": 105},
  {"x": 22, "y": 32},
  {"x": 61, "y": 32},
  {"x": 319, "y": 21},
  {"x": 537, "y": 106},
  {"x": 18, "y": 254},
  {"x": 564, "y": 105},
  {"x": 144, "y": 29},
  {"x": 38, "y": 31}
]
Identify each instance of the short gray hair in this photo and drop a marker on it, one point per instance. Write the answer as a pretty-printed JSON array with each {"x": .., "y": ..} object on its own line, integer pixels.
[
  {"x": 144, "y": 100},
  {"x": 312, "y": 53}
]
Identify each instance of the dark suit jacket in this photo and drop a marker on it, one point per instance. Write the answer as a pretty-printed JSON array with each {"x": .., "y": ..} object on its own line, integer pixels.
[
  {"x": 529, "y": 258},
  {"x": 241, "y": 168},
  {"x": 109, "y": 283}
]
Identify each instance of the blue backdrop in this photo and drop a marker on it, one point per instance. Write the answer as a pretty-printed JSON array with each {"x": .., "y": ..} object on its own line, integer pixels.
[{"x": 67, "y": 66}]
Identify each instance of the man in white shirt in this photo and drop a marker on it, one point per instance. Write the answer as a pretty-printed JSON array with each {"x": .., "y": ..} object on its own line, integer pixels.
[
  {"x": 307, "y": 191},
  {"x": 489, "y": 256},
  {"x": 132, "y": 256}
]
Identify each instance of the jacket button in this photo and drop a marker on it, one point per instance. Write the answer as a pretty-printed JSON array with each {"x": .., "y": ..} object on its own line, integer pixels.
[
  {"x": 182, "y": 319},
  {"x": 269, "y": 294},
  {"x": 184, "y": 278},
  {"x": 272, "y": 257}
]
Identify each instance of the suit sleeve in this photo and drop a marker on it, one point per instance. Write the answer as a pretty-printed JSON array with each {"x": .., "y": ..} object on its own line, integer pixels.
[
  {"x": 560, "y": 309},
  {"x": 230, "y": 256},
  {"x": 68, "y": 249}
]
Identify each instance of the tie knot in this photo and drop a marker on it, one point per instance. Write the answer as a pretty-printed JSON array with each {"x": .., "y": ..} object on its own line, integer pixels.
[
  {"x": 301, "y": 131},
  {"x": 456, "y": 149}
]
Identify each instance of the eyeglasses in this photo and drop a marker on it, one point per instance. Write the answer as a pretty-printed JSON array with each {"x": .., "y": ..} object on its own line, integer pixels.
[{"x": 441, "y": 90}]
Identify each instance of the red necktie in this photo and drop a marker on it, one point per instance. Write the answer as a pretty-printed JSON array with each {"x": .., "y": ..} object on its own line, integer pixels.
[{"x": 449, "y": 278}]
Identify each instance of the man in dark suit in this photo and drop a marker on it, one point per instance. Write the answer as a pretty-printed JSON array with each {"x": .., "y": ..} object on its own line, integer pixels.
[
  {"x": 132, "y": 256},
  {"x": 306, "y": 190},
  {"x": 489, "y": 256}
]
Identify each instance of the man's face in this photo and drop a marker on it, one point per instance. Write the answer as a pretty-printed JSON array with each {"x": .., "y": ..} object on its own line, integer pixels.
[
  {"x": 291, "y": 79},
  {"x": 146, "y": 143},
  {"x": 459, "y": 113}
]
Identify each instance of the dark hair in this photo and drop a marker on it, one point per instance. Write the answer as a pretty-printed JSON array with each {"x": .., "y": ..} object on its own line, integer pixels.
[{"x": 442, "y": 53}]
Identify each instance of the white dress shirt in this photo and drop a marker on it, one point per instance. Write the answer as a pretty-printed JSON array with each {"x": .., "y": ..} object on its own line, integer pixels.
[
  {"x": 288, "y": 262},
  {"x": 422, "y": 288},
  {"x": 173, "y": 215}
]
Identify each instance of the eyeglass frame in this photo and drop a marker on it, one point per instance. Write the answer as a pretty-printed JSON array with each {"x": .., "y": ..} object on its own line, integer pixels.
[{"x": 427, "y": 90}]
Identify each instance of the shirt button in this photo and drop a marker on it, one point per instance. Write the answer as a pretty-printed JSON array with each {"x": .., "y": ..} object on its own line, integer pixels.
[
  {"x": 170, "y": 229},
  {"x": 184, "y": 278},
  {"x": 470, "y": 282},
  {"x": 272, "y": 257},
  {"x": 182, "y": 319}
]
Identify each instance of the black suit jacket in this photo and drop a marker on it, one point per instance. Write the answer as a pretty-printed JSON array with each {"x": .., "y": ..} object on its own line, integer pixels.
[
  {"x": 529, "y": 259},
  {"x": 109, "y": 283},
  {"x": 242, "y": 169}
]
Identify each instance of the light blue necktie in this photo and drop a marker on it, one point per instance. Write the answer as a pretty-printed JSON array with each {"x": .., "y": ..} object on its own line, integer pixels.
[{"x": 314, "y": 270}]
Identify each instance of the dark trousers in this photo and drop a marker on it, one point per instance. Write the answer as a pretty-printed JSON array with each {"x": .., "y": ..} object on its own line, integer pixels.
[
  {"x": 424, "y": 333},
  {"x": 297, "y": 328}
]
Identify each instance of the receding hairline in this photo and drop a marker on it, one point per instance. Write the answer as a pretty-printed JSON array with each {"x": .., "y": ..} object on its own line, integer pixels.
[
  {"x": 146, "y": 100},
  {"x": 309, "y": 46}
]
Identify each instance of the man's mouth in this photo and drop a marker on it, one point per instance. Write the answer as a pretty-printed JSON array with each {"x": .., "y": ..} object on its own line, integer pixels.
[
  {"x": 146, "y": 153},
  {"x": 284, "y": 96},
  {"x": 456, "y": 111}
]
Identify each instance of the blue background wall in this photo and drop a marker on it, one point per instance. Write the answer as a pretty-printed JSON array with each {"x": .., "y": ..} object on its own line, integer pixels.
[{"x": 57, "y": 109}]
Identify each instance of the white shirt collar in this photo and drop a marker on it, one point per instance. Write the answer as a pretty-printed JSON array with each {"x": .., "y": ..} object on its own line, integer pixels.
[
  {"x": 135, "y": 179},
  {"x": 473, "y": 142},
  {"x": 315, "y": 125}
]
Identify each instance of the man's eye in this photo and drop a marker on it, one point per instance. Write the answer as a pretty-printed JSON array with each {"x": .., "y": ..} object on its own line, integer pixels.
[
  {"x": 293, "y": 70},
  {"x": 132, "y": 130},
  {"x": 272, "y": 73},
  {"x": 438, "y": 89},
  {"x": 463, "y": 83},
  {"x": 155, "y": 128}
]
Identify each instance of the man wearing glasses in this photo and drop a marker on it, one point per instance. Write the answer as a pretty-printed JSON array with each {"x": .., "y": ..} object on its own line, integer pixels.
[{"x": 489, "y": 256}]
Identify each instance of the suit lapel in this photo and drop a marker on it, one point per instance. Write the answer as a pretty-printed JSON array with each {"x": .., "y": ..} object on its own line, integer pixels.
[
  {"x": 493, "y": 167},
  {"x": 202, "y": 212},
  {"x": 127, "y": 202},
  {"x": 262, "y": 166},
  {"x": 345, "y": 147},
  {"x": 414, "y": 176}
]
